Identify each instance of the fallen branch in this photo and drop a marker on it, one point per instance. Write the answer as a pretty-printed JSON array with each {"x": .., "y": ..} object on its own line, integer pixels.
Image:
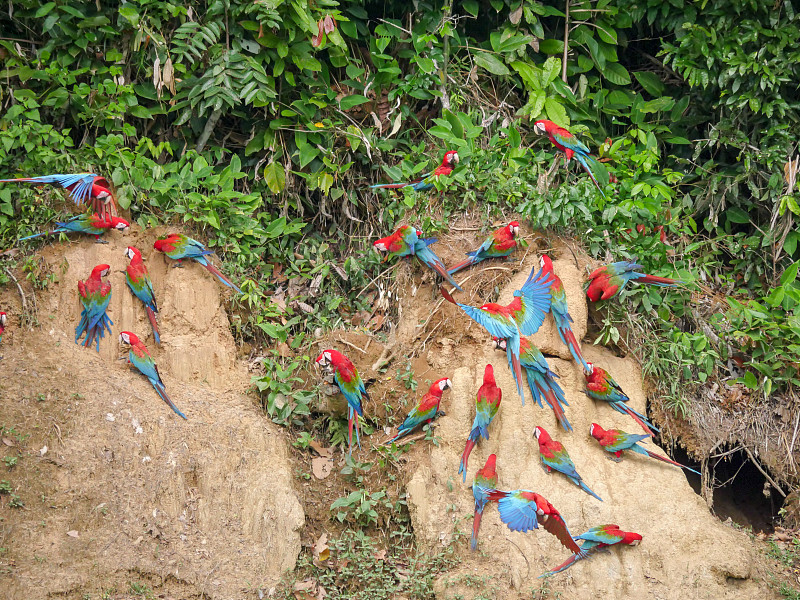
[
  {"x": 764, "y": 473},
  {"x": 19, "y": 289}
]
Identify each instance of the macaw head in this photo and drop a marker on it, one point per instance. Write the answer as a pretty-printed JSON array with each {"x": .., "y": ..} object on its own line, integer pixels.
[
  {"x": 443, "y": 384},
  {"x": 131, "y": 252},
  {"x": 488, "y": 469},
  {"x": 513, "y": 229},
  {"x": 120, "y": 224},
  {"x": 500, "y": 343},
  {"x": 126, "y": 337},
  {"x": 634, "y": 538},
  {"x": 488, "y": 374},
  {"x": 379, "y": 246},
  {"x": 596, "y": 431},
  {"x": 101, "y": 271},
  {"x": 3, "y": 319},
  {"x": 538, "y": 432},
  {"x": 541, "y": 127},
  {"x": 166, "y": 243},
  {"x": 588, "y": 369},
  {"x": 103, "y": 194},
  {"x": 324, "y": 359},
  {"x": 450, "y": 158},
  {"x": 545, "y": 262}
]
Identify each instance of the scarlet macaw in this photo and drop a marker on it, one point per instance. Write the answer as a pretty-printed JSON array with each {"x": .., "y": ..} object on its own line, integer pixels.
[
  {"x": 555, "y": 458},
  {"x": 487, "y": 403},
  {"x": 501, "y": 243},
  {"x": 352, "y": 387},
  {"x": 178, "y": 246},
  {"x": 595, "y": 540},
  {"x": 601, "y": 386},
  {"x": 95, "y": 296},
  {"x": 609, "y": 280},
  {"x": 406, "y": 241},
  {"x": 570, "y": 146},
  {"x": 91, "y": 224},
  {"x": 426, "y": 410},
  {"x": 83, "y": 188},
  {"x": 617, "y": 441},
  {"x": 425, "y": 182},
  {"x": 142, "y": 287},
  {"x": 560, "y": 312},
  {"x": 485, "y": 480},
  {"x": 140, "y": 358}
]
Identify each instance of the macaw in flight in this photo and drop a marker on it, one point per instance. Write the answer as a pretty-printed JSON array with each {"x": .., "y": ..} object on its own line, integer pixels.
[
  {"x": 523, "y": 316},
  {"x": 485, "y": 480},
  {"x": 555, "y": 458},
  {"x": 425, "y": 411},
  {"x": 140, "y": 358},
  {"x": 601, "y": 386},
  {"x": 609, "y": 280},
  {"x": 142, "y": 287},
  {"x": 178, "y": 246},
  {"x": 406, "y": 241},
  {"x": 425, "y": 182},
  {"x": 90, "y": 224},
  {"x": 501, "y": 243},
  {"x": 617, "y": 441},
  {"x": 595, "y": 540},
  {"x": 95, "y": 295},
  {"x": 571, "y": 146},
  {"x": 560, "y": 312},
  {"x": 84, "y": 188},
  {"x": 352, "y": 387},
  {"x": 487, "y": 403}
]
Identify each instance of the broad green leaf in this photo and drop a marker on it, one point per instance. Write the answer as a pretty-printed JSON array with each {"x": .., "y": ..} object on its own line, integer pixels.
[
  {"x": 616, "y": 74},
  {"x": 44, "y": 9},
  {"x": 131, "y": 14},
  {"x": 790, "y": 274},
  {"x": 491, "y": 63},
  {"x": 531, "y": 75},
  {"x": 275, "y": 175},
  {"x": 551, "y": 47},
  {"x": 455, "y": 124},
  {"x": 471, "y": 6},
  {"x": 349, "y": 102},
  {"x": 650, "y": 82},
  {"x": 737, "y": 215},
  {"x": 750, "y": 380},
  {"x": 556, "y": 112},
  {"x": 550, "y": 70}
]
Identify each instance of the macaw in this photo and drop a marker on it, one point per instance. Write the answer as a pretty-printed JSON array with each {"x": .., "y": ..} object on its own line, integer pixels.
[
  {"x": 425, "y": 182},
  {"x": 601, "y": 386},
  {"x": 523, "y": 316},
  {"x": 91, "y": 224},
  {"x": 352, "y": 387},
  {"x": 616, "y": 441},
  {"x": 487, "y": 403},
  {"x": 139, "y": 281},
  {"x": 179, "y": 246},
  {"x": 140, "y": 358},
  {"x": 83, "y": 188},
  {"x": 560, "y": 312},
  {"x": 554, "y": 457},
  {"x": 609, "y": 280},
  {"x": 541, "y": 380},
  {"x": 485, "y": 480},
  {"x": 95, "y": 296},
  {"x": 595, "y": 540},
  {"x": 501, "y": 243},
  {"x": 425, "y": 411},
  {"x": 429, "y": 258},
  {"x": 3, "y": 321},
  {"x": 570, "y": 146},
  {"x": 406, "y": 241},
  {"x": 521, "y": 510}
]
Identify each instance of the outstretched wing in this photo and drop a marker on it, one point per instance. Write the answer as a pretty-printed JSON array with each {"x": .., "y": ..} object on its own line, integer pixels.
[
  {"x": 534, "y": 302},
  {"x": 518, "y": 512}
]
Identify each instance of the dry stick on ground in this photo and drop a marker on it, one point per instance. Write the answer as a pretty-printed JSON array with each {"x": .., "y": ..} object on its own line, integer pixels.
[
  {"x": 346, "y": 343},
  {"x": 764, "y": 473},
  {"x": 386, "y": 357},
  {"x": 19, "y": 289}
]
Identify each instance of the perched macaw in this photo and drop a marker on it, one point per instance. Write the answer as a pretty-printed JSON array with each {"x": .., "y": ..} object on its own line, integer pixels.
[
  {"x": 85, "y": 188},
  {"x": 570, "y": 146},
  {"x": 609, "y": 280},
  {"x": 179, "y": 246},
  {"x": 425, "y": 411},
  {"x": 617, "y": 441},
  {"x": 95, "y": 296},
  {"x": 560, "y": 312},
  {"x": 601, "y": 386},
  {"x": 485, "y": 480},
  {"x": 501, "y": 243},
  {"x": 140, "y": 358},
  {"x": 523, "y": 316},
  {"x": 425, "y": 182},
  {"x": 139, "y": 281},
  {"x": 3, "y": 321},
  {"x": 487, "y": 404},
  {"x": 554, "y": 457},
  {"x": 595, "y": 540},
  {"x": 541, "y": 380},
  {"x": 91, "y": 224},
  {"x": 352, "y": 387},
  {"x": 521, "y": 510},
  {"x": 406, "y": 241}
]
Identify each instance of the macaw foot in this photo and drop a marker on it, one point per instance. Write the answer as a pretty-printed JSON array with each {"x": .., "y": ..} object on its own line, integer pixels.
[
  {"x": 615, "y": 459},
  {"x": 546, "y": 469},
  {"x": 440, "y": 413},
  {"x": 177, "y": 265},
  {"x": 99, "y": 241}
]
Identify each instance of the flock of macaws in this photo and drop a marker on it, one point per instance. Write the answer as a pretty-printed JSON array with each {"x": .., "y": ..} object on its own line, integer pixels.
[{"x": 95, "y": 292}]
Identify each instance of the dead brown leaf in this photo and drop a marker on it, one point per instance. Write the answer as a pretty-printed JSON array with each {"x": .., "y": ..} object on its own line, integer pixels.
[
  {"x": 72, "y": 533},
  {"x": 321, "y": 466},
  {"x": 320, "y": 449},
  {"x": 321, "y": 550},
  {"x": 9, "y": 442}
]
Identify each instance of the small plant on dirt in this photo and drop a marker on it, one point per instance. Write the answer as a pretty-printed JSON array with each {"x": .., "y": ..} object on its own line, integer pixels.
[
  {"x": 15, "y": 501},
  {"x": 788, "y": 555},
  {"x": 11, "y": 461},
  {"x": 303, "y": 441},
  {"x": 141, "y": 589},
  {"x": 5, "y": 487},
  {"x": 281, "y": 397},
  {"x": 407, "y": 377},
  {"x": 359, "y": 507}
]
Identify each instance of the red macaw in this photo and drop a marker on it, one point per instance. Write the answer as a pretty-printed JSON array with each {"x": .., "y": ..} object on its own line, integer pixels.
[
  {"x": 142, "y": 287},
  {"x": 485, "y": 480},
  {"x": 487, "y": 403},
  {"x": 569, "y": 145},
  {"x": 601, "y": 386},
  {"x": 95, "y": 296},
  {"x": 560, "y": 312},
  {"x": 83, "y": 188},
  {"x": 178, "y": 246},
  {"x": 501, "y": 243},
  {"x": 609, "y": 280},
  {"x": 595, "y": 540},
  {"x": 406, "y": 241},
  {"x": 352, "y": 387},
  {"x": 617, "y": 441},
  {"x": 554, "y": 457},
  {"x": 91, "y": 224},
  {"x": 140, "y": 358},
  {"x": 425, "y": 182},
  {"x": 426, "y": 410},
  {"x": 523, "y": 316}
]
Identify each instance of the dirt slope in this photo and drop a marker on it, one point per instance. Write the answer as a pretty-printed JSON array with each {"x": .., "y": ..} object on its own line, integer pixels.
[{"x": 204, "y": 506}]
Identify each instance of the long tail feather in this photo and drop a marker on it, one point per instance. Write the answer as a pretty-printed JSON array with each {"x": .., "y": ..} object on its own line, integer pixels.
[
  {"x": 220, "y": 275},
  {"x": 659, "y": 281},
  {"x": 37, "y": 235},
  {"x": 163, "y": 393},
  {"x": 563, "y": 566},
  {"x": 153, "y": 323},
  {"x": 568, "y": 337},
  {"x": 648, "y": 427},
  {"x": 669, "y": 461},
  {"x": 388, "y": 186},
  {"x": 462, "y": 468},
  {"x": 585, "y": 488},
  {"x": 476, "y": 525},
  {"x": 464, "y": 264},
  {"x": 516, "y": 369},
  {"x": 584, "y": 162},
  {"x": 558, "y": 410},
  {"x": 439, "y": 268}
]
